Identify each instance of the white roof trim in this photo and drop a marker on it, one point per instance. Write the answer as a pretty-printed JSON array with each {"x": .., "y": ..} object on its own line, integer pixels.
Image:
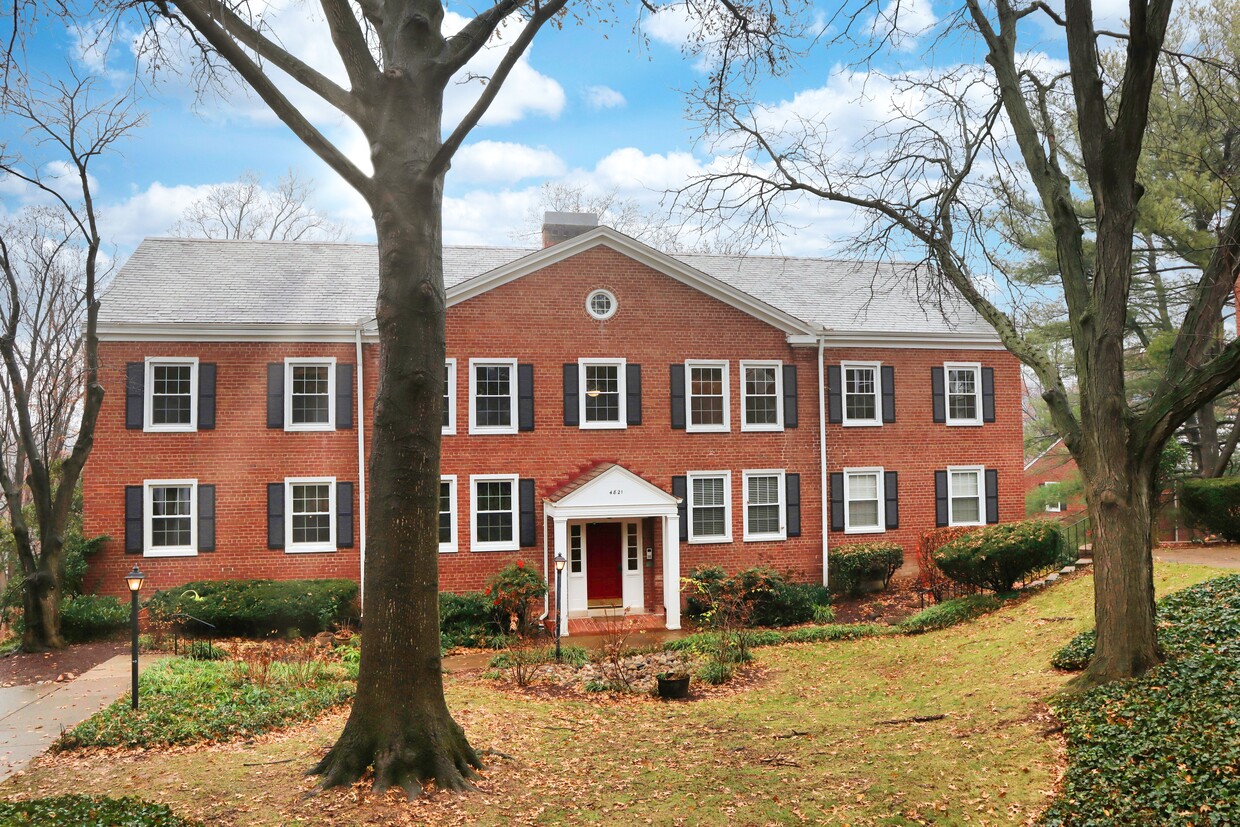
[
  {"x": 182, "y": 332},
  {"x": 639, "y": 252},
  {"x": 593, "y": 500},
  {"x": 1040, "y": 456}
]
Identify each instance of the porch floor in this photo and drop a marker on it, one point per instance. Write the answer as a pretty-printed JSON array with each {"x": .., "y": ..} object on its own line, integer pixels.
[{"x": 601, "y": 625}]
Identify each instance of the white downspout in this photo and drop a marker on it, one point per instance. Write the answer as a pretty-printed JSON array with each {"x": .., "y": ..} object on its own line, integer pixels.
[
  {"x": 361, "y": 464},
  {"x": 822, "y": 464},
  {"x": 546, "y": 571}
]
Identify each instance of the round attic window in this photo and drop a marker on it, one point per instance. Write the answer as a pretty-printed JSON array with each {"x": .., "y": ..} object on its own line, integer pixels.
[{"x": 601, "y": 304}]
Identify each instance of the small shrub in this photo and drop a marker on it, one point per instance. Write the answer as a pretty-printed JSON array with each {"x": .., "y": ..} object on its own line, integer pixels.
[
  {"x": 930, "y": 578},
  {"x": 91, "y": 811},
  {"x": 851, "y": 567},
  {"x": 994, "y": 557},
  {"x": 823, "y": 614},
  {"x": 768, "y": 597},
  {"x": 258, "y": 607},
  {"x": 467, "y": 619},
  {"x": 1212, "y": 505},
  {"x": 512, "y": 590},
  {"x": 1076, "y": 653},
  {"x": 950, "y": 613},
  {"x": 716, "y": 673},
  {"x": 89, "y": 616}
]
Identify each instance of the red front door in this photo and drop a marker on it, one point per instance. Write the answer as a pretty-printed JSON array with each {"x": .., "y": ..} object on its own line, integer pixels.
[{"x": 603, "y": 541}]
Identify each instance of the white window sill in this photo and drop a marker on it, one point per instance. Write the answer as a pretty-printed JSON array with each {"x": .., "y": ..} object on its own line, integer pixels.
[
  {"x": 170, "y": 429},
  {"x": 178, "y": 551},
  {"x": 770, "y": 429},
  {"x": 869, "y": 530},
  {"x": 512, "y": 546},
  {"x": 862, "y": 423},
  {"x": 310, "y": 548},
  {"x": 697, "y": 541},
  {"x": 485, "y": 431},
  {"x": 707, "y": 429},
  {"x": 448, "y": 432},
  {"x": 765, "y": 538},
  {"x": 965, "y": 525},
  {"x": 447, "y": 549},
  {"x": 604, "y": 426},
  {"x": 964, "y": 423},
  {"x": 317, "y": 426}
]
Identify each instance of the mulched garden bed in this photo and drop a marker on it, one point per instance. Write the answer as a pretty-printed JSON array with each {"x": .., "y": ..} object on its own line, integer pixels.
[
  {"x": 24, "y": 668},
  {"x": 898, "y": 601}
]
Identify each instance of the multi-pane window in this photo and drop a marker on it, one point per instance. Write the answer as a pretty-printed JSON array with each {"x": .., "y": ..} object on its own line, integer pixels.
[
  {"x": 964, "y": 402},
  {"x": 863, "y": 505},
  {"x": 764, "y": 507},
  {"x": 308, "y": 400},
  {"x": 708, "y": 396},
  {"x": 632, "y": 549},
  {"x": 709, "y": 511},
  {"x": 447, "y": 513},
  {"x": 494, "y": 513},
  {"x": 574, "y": 548},
  {"x": 171, "y": 395},
  {"x": 964, "y": 496},
  {"x": 602, "y": 393},
  {"x": 170, "y": 524},
  {"x": 761, "y": 402},
  {"x": 492, "y": 390},
  {"x": 861, "y": 394},
  {"x": 449, "y": 397},
  {"x": 311, "y": 515},
  {"x": 1055, "y": 503}
]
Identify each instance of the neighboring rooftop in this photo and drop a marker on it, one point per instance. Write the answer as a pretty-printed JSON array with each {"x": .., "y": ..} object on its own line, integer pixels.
[{"x": 199, "y": 281}]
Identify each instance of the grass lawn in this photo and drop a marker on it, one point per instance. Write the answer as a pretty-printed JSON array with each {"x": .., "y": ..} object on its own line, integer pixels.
[{"x": 806, "y": 744}]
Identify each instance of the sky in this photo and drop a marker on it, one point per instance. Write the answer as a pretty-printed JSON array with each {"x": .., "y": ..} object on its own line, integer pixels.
[{"x": 594, "y": 105}]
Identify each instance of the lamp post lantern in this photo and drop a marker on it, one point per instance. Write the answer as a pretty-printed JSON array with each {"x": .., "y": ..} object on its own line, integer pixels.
[
  {"x": 134, "y": 581},
  {"x": 559, "y": 573}
]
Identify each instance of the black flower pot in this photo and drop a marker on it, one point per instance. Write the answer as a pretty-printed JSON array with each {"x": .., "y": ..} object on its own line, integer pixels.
[{"x": 673, "y": 687}]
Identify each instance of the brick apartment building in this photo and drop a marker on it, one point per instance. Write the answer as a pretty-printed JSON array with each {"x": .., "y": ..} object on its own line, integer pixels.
[{"x": 642, "y": 413}]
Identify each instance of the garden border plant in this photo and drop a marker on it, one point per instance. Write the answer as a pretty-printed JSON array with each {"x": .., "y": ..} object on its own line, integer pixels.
[
  {"x": 851, "y": 567},
  {"x": 995, "y": 557}
]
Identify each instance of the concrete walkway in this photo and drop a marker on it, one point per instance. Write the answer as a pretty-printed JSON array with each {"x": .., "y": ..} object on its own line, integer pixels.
[
  {"x": 1222, "y": 556},
  {"x": 31, "y": 717}
]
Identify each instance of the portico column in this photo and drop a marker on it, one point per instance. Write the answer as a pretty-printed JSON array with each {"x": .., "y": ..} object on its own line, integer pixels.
[
  {"x": 561, "y": 547},
  {"x": 671, "y": 570}
]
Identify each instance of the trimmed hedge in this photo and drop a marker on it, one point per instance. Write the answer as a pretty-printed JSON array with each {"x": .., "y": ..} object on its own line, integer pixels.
[
  {"x": 994, "y": 557},
  {"x": 1213, "y": 506},
  {"x": 259, "y": 607},
  {"x": 90, "y": 811},
  {"x": 467, "y": 619},
  {"x": 89, "y": 616},
  {"x": 771, "y": 599},
  {"x": 950, "y": 613},
  {"x": 849, "y": 568}
]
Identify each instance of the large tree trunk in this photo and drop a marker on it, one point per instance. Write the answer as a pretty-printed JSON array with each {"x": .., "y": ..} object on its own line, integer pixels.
[
  {"x": 41, "y": 613},
  {"x": 400, "y": 722}
]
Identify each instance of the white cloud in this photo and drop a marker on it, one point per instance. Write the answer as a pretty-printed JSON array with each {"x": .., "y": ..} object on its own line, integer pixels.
[
  {"x": 603, "y": 97},
  {"x": 482, "y": 217},
  {"x": 502, "y": 162},
  {"x": 902, "y": 22},
  {"x": 672, "y": 25},
  {"x": 631, "y": 171}
]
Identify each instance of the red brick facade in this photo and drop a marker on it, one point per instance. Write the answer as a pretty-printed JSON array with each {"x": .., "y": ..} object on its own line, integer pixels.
[{"x": 540, "y": 319}]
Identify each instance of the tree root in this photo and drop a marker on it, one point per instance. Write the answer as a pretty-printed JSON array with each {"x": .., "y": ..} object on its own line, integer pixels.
[{"x": 411, "y": 761}]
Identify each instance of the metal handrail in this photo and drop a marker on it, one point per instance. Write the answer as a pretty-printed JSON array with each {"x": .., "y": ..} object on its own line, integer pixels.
[{"x": 188, "y": 616}]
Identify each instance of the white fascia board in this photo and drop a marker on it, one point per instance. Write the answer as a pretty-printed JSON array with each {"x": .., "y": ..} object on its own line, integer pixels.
[{"x": 197, "y": 332}]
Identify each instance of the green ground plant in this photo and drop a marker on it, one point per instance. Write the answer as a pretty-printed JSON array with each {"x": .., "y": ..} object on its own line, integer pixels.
[
  {"x": 851, "y": 567},
  {"x": 90, "y": 811}
]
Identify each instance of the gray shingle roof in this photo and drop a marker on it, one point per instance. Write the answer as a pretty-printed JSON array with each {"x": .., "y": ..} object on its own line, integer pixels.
[{"x": 197, "y": 281}]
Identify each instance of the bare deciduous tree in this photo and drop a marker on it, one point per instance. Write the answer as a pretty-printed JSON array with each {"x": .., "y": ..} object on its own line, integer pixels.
[
  {"x": 50, "y": 257},
  {"x": 247, "y": 210}
]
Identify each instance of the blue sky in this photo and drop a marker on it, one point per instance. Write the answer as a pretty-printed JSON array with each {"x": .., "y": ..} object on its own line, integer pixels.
[{"x": 592, "y": 105}]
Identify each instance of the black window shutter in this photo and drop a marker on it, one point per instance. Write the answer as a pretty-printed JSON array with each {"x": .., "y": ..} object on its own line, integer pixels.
[
  {"x": 275, "y": 398},
  {"x": 525, "y": 397},
  {"x": 206, "y": 517},
  {"x": 135, "y": 394},
  {"x": 275, "y": 515},
  {"x": 988, "y": 394},
  {"x": 528, "y": 523},
  {"x": 792, "y": 508},
  {"x": 344, "y": 515},
  {"x": 940, "y": 498},
  {"x": 837, "y": 502},
  {"x": 344, "y": 396},
  {"x": 889, "y": 392},
  {"x": 678, "y": 396},
  {"x": 572, "y": 404},
  {"x": 891, "y": 481},
  {"x": 206, "y": 398},
  {"x": 940, "y": 400},
  {"x": 790, "y": 396},
  {"x": 633, "y": 392},
  {"x": 835, "y": 398},
  {"x": 680, "y": 490},
  {"x": 133, "y": 519},
  {"x": 992, "y": 495}
]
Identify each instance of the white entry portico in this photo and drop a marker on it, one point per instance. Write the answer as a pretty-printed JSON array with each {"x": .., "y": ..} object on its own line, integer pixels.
[{"x": 605, "y": 506}]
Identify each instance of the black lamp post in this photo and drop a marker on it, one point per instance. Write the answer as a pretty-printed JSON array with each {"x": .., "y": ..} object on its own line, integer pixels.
[
  {"x": 559, "y": 573},
  {"x": 134, "y": 581}
]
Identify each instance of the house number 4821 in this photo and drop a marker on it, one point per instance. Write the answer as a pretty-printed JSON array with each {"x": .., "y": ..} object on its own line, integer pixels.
[{"x": 615, "y": 492}]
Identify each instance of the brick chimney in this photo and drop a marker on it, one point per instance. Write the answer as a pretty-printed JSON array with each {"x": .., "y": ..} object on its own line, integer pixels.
[{"x": 561, "y": 226}]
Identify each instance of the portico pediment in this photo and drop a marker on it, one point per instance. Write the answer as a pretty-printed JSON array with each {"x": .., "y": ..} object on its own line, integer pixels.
[{"x": 609, "y": 491}]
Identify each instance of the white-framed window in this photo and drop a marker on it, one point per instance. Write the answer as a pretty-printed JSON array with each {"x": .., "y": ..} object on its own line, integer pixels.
[
  {"x": 170, "y": 518},
  {"x": 965, "y": 496},
  {"x": 309, "y": 393},
  {"x": 964, "y": 393},
  {"x": 603, "y": 390},
  {"x": 762, "y": 396},
  {"x": 493, "y": 512},
  {"x": 492, "y": 396},
  {"x": 864, "y": 507},
  {"x": 601, "y": 304},
  {"x": 710, "y": 506},
  {"x": 1056, "y": 505},
  {"x": 575, "y": 548},
  {"x": 632, "y": 549},
  {"x": 171, "y": 403},
  {"x": 862, "y": 402},
  {"x": 449, "y": 397},
  {"x": 764, "y": 505},
  {"x": 447, "y": 513},
  {"x": 707, "y": 406},
  {"x": 310, "y": 522}
]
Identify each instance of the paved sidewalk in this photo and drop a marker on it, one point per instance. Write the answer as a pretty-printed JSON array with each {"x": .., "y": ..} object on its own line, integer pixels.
[
  {"x": 31, "y": 717},
  {"x": 1222, "y": 556}
]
